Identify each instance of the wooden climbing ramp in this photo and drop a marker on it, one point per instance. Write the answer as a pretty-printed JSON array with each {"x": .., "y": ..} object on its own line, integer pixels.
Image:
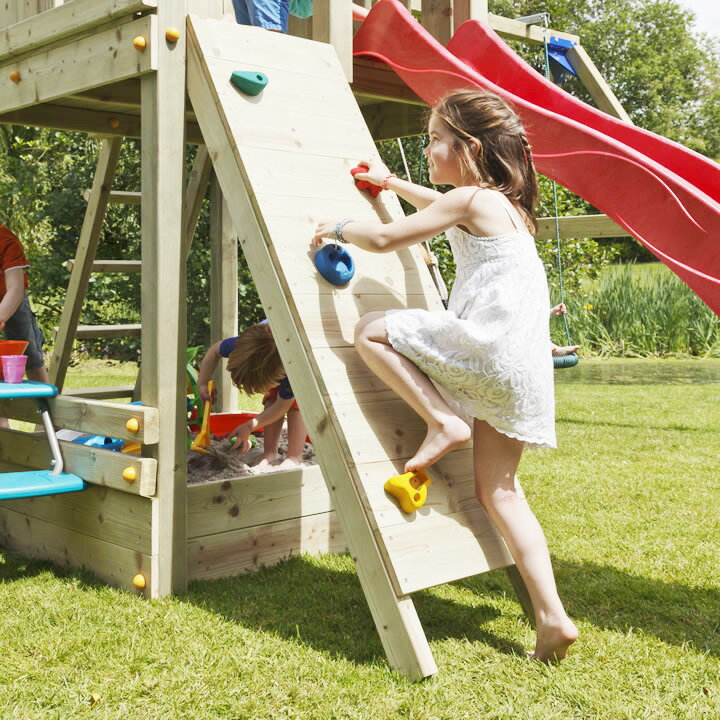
[{"x": 283, "y": 159}]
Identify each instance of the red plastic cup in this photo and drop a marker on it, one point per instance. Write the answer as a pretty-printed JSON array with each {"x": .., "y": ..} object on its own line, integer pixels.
[{"x": 13, "y": 367}]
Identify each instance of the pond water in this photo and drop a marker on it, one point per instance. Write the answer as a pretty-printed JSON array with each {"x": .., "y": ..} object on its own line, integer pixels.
[{"x": 642, "y": 371}]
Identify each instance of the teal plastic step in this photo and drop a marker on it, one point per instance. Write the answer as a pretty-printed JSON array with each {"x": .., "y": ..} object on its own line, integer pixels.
[
  {"x": 27, "y": 388},
  {"x": 31, "y": 483}
]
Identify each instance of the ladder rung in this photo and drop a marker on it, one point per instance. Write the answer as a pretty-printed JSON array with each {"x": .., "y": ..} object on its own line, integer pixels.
[
  {"x": 101, "y": 393},
  {"x": 100, "y": 331},
  {"x": 120, "y": 197},
  {"x": 111, "y": 266}
]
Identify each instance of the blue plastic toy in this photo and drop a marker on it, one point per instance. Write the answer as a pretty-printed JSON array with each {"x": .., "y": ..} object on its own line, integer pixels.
[
  {"x": 335, "y": 264},
  {"x": 100, "y": 441}
]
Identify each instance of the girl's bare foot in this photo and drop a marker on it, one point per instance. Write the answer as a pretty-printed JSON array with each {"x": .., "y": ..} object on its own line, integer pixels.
[
  {"x": 439, "y": 441},
  {"x": 288, "y": 464},
  {"x": 266, "y": 460},
  {"x": 558, "y": 350},
  {"x": 553, "y": 640}
]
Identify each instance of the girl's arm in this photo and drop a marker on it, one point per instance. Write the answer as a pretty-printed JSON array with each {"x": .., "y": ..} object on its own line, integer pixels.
[
  {"x": 15, "y": 283},
  {"x": 207, "y": 370},
  {"x": 268, "y": 416},
  {"x": 417, "y": 195},
  {"x": 449, "y": 209}
]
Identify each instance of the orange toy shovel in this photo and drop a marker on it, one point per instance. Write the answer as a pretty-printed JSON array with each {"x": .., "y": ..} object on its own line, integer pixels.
[{"x": 202, "y": 439}]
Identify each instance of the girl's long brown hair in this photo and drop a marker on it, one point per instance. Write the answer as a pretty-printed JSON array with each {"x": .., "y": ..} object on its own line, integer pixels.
[{"x": 503, "y": 161}]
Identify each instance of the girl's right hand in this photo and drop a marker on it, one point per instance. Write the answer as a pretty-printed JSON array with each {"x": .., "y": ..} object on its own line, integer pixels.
[{"x": 376, "y": 174}]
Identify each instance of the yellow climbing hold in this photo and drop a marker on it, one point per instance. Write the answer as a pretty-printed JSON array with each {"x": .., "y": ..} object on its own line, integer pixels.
[{"x": 409, "y": 489}]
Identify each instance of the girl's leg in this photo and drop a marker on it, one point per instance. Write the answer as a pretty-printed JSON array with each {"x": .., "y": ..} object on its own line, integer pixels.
[
  {"x": 496, "y": 458},
  {"x": 446, "y": 430},
  {"x": 271, "y": 440},
  {"x": 296, "y": 436}
]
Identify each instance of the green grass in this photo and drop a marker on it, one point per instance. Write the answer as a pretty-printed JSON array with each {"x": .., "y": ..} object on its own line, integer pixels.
[{"x": 629, "y": 505}]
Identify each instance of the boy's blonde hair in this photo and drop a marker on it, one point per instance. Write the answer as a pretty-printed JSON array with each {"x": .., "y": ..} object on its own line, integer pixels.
[
  {"x": 503, "y": 160},
  {"x": 254, "y": 363}
]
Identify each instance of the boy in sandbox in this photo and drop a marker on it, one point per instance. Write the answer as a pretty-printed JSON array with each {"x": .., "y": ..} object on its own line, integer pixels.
[
  {"x": 255, "y": 366},
  {"x": 17, "y": 320}
]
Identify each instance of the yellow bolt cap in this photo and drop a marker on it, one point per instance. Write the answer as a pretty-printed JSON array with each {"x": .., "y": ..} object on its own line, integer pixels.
[
  {"x": 139, "y": 581},
  {"x": 15, "y": 76},
  {"x": 132, "y": 425},
  {"x": 114, "y": 123},
  {"x": 129, "y": 474},
  {"x": 140, "y": 43},
  {"x": 172, "y": 34}
]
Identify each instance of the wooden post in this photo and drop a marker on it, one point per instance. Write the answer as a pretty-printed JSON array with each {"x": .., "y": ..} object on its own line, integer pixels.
[
  {"x": 195, "y": 191},
  {"x": 469, "y": 10},
  {"x": 84, "y": 257},
  {"x": 437, "y": 19},
  {"x": 332, "y": 23},
  {"x": 164, "y": 330},
  {"x": 223, "y": 288}
]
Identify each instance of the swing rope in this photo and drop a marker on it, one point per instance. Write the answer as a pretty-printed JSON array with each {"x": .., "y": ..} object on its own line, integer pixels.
[{"x": 561, "y": 361}]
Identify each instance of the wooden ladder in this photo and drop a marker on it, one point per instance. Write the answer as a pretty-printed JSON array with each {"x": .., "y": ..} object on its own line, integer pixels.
[{"x": 223, "y": 267}]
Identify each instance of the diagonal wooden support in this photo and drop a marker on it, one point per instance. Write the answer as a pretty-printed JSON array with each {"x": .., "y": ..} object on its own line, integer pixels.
[{"x": 84, "y": 258}]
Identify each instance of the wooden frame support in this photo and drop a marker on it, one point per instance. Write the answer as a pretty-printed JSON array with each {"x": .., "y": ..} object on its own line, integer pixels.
[
  {"x": 332, "y": 23},
  {"x": 223, "y": 288},
  {"x": 84, "y": 257},
  {"x": 164, "y": 330}
]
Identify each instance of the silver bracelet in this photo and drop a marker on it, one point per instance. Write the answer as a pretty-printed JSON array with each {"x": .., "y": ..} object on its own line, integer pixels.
[{"x": 339, "y": 228}]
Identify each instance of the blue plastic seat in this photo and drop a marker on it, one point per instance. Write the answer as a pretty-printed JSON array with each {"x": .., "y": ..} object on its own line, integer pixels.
[{"x": 31, "y": 483}]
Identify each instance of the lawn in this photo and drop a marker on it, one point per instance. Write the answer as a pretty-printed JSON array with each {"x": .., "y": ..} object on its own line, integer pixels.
[{"x": 629, "y": 503}]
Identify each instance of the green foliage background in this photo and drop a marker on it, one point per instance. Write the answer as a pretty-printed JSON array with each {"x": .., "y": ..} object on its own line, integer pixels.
[{"x": 665, "y": 75}]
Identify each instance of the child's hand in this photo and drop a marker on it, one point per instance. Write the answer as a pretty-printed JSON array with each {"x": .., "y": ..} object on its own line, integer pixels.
[
  {"x": 376, "y": 174},
  {"x": 558, "y": 310},
  {"x": 206, "y": 396},
  {"x": 242, "y": 444},
  {"x": 324, "y": 229}
]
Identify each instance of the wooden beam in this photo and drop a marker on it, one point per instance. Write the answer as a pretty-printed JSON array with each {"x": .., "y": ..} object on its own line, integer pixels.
[
  {"x": 82, "y": 267},
  {"x": 107, "y": 331},
  {"x": 71, "y": 18},
  {"x": 223, "y": 289},
  {"x": 101, "y": 393},
  {"x": 98, "y": 59},
  {"x": 164, "y": 283},
  {"x": 580, "y": 226},
  {"x": 515, "y": 30},
  {"x": 195, "y": 191},
  {"x": 595, "y": 84},
  {"x": 90, "y": 416},
  {"x": 394, "y": 119},
  {"x": 437, "y": 19},
  {"x": 332, "y": 23},
  {"x": 119, "y": 197},
  {"x": 375, "y": 80},
  {"x": 111, "y": 266},
  {"x": 94, "y": 465},
  {"x": 464, "y": 10}
]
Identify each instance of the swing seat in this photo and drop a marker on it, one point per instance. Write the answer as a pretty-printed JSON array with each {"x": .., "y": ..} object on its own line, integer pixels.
[
  {"x": 32, "y": 483},
  {"x": 565, "y": 361}
]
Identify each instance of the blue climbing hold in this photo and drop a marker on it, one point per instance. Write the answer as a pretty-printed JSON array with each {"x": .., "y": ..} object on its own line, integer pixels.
[
  {"x": 249, "y": 81},
  {"x": 335, "y": 264}
]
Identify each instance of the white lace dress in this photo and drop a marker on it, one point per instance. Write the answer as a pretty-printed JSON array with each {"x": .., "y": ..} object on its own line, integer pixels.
[{"x": 489, "y": 353}]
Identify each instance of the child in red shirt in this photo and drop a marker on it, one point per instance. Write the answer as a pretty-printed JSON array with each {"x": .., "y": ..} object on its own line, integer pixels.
[{"x": 16, "y": 317}]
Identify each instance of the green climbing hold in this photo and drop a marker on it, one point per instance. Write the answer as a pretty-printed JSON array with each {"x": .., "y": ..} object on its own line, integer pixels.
[{"x": 252, "y": 83}]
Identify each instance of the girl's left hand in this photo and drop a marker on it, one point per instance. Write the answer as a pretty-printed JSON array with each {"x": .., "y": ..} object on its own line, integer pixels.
[
  {"x": 242, "y": 443},
  {"x": 324, "y": 229}
]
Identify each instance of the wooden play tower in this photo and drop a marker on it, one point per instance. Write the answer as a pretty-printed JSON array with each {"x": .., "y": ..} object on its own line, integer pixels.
[{"x": 158, "y": 70}]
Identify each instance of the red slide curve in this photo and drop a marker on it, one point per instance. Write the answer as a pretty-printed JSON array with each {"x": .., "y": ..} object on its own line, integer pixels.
[{"x": 662, "y": 208}]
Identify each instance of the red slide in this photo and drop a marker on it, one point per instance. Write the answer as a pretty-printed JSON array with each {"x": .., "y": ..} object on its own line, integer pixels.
[{"x": 643, "y": 182}]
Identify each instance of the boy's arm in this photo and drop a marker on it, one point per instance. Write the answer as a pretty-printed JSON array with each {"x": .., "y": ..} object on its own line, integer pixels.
[
  {"x": 207, "y": 370},
  {"x": 15, "y": 283},
  {"x": 268, "y": 416}
]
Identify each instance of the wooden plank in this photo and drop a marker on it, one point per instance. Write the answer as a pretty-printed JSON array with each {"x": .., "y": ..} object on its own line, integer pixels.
[
  {"x": 101, "y": 393},
  {"x": 223, "y": 289},
  {"x": 579, "y": 226},
  {"x": 595, "y": 84},
  {"x": 98, "y": 59},
  {"x": 437, "y": 19},
  {"x": 464, "y": 10},
  {"x": 111, "y": 266},
  {"x": 332, "y": 23},
  {"x": 107, "y": 331},
  {"x": 94, "y": 465},
  {"x": 100, "y": 513},
  {"x": 534, "y": 34},
  {"x": 395, "y": 617},
  {"x": 195, "y": 190},
  {"x": 229, "y": 553},
  {"x": 394, "y": 119},
  {"x": 85, "y": 255},
  {"x": 164, "y": 285},
  {"x": 119, "y": 197},
  {"x": 244, "y": 502},
  {"x": 90, "y": 416},
  {"x": 71, "y": 18},
  {"x": 372, "y": 79},
  {"x": 35, "y": 538}
]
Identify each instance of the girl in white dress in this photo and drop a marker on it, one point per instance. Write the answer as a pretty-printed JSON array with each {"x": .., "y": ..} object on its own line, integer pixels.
[{"x": 486, "y": 361}]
